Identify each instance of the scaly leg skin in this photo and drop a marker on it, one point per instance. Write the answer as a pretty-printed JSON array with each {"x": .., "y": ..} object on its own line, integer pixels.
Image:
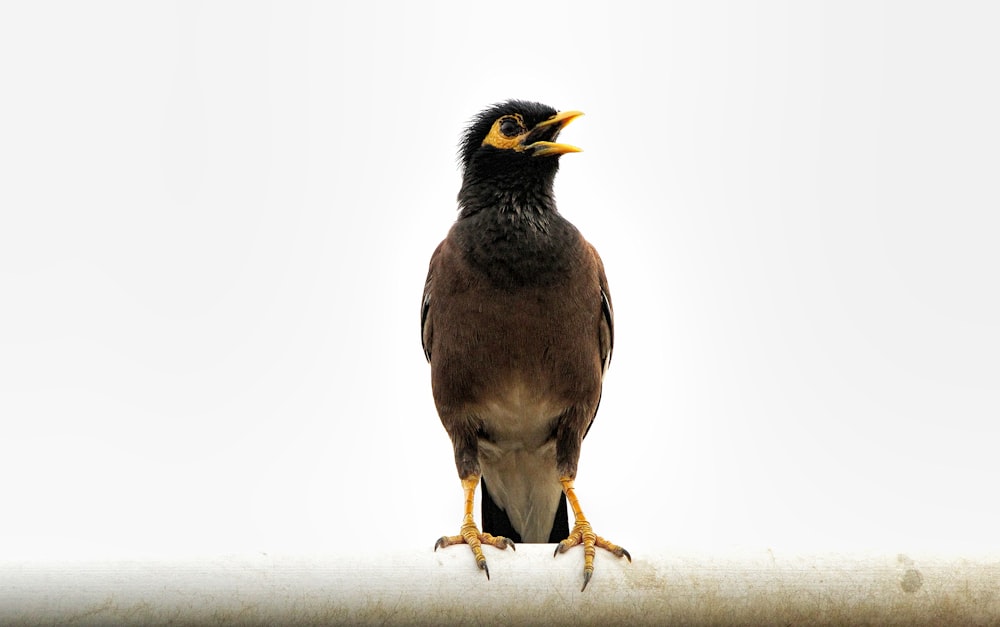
[
  {"x": 583, "y": 533},
  {"x": 470, "y": 534}
]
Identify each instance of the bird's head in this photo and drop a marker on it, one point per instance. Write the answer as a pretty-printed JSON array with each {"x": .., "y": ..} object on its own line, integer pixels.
[{"x": 512, "y": 147}]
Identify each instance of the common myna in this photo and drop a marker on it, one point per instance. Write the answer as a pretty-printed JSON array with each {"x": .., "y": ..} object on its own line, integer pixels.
[{"x": 517, "y": 326}]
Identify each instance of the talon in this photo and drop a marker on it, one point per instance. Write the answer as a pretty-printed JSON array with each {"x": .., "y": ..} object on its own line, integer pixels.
[
  {"x": 583, "y": 533},
  {"x": 502, "y": 542},
  {"x": 617, "y": 551},
  {"x": 475, "y": 540},
  {"x": 469, "y": 533}
]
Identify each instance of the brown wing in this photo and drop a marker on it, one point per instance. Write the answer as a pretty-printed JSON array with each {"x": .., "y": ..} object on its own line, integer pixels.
[
  {"x": 607, "y": 331},
  {"x": 426, "y": 329}
]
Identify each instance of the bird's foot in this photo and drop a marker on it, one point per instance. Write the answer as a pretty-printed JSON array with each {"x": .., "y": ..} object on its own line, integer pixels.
[
  {"x": 470, "y": 534},
  {"x": 583, "y": 533}
]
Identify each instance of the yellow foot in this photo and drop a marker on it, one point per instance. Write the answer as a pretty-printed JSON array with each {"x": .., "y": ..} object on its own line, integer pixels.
[
  {"x": 583, "y": 533},
  {"x": 471, "y": 535}
]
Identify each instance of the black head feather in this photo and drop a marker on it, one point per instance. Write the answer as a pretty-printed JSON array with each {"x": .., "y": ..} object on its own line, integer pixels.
[{"x": 479, "y": 127}]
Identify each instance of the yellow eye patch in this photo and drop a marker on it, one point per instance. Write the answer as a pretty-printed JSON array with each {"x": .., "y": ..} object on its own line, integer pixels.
[{"x": 506, "y": 133}]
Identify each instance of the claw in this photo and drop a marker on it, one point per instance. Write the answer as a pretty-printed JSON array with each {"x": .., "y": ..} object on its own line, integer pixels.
[
  {"x": 583, "y": 534},
  {"x": 499, "y": 542},
  {"x": 472, "y": 537},
  {"x": 469, "y": 533}
]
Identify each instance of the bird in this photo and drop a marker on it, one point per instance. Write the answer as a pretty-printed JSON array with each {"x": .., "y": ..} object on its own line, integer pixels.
[{"x": 518, "y": 327}]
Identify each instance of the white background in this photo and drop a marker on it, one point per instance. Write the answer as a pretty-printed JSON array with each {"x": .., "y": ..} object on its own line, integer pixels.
[{"x": 215, "y": 220}]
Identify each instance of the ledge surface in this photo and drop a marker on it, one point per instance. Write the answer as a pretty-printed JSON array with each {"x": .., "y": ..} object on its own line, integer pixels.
[{"x": 528, "y": 586}]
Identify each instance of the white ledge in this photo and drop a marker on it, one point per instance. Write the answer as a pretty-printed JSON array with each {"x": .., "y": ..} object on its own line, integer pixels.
[{"x": 528, "y": 586}]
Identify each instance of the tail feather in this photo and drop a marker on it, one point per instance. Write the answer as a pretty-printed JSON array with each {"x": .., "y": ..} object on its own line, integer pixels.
[{"x": 496, "y": 522}]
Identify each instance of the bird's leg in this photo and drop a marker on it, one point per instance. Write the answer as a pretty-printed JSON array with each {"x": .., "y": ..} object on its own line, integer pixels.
[
  {"x": 583, "y": 533},
  {"x": 469, "y": 533}
]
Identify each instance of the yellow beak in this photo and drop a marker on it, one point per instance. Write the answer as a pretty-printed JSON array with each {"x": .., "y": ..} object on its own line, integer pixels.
[{"x": 550, "y": 128}]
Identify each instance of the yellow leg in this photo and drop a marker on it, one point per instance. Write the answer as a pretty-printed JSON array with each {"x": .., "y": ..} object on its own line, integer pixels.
[
  {"x": 469, "y": 533},
  {"x": 583, "y": 533}
]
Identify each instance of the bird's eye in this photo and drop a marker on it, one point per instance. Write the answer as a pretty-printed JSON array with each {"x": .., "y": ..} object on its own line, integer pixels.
[{"x": 510, "y": 127}]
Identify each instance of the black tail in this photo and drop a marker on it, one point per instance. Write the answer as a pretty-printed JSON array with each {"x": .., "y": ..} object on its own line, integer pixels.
[{"x": 496, "y": 522}]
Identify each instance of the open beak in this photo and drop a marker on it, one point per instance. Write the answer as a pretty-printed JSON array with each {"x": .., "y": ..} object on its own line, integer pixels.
[{"x": 541, "y": 140}]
